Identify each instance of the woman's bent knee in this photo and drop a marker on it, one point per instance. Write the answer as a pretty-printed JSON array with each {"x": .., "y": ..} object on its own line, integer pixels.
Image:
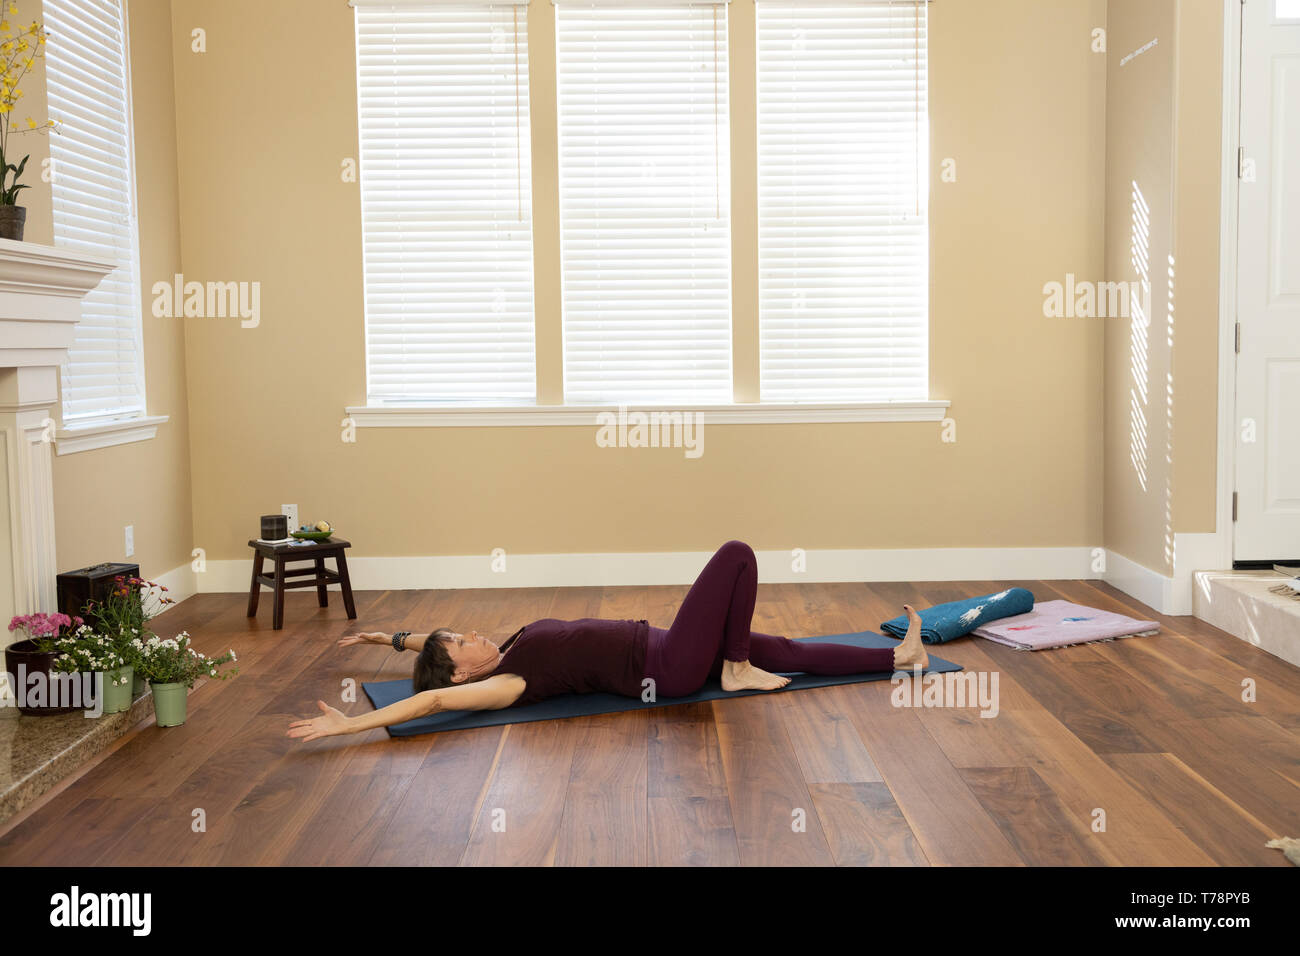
[{"x": 737, "y": 549}]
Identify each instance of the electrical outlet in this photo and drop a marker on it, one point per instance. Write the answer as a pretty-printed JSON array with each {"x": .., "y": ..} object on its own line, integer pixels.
[
  {"x": 130, "y": 540},
  {"x": 291, "y": 512}
]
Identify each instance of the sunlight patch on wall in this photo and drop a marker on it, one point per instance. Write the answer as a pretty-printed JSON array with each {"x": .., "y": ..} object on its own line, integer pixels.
[
  {"x": 1139, "y": 330},
  {"x": 1170, "y": 554}
]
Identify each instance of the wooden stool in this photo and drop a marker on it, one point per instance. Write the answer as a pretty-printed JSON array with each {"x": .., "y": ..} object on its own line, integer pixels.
[{"x": 317, "y": 576}]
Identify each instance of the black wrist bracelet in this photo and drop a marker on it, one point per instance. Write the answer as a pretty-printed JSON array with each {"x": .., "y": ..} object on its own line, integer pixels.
[{"x": 399, "y": 640}]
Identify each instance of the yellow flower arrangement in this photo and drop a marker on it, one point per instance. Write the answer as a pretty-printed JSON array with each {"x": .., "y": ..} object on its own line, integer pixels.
[{"x": 19, "y": 49}]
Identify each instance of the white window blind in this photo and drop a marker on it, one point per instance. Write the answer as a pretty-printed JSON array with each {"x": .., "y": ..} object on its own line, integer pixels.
[
  {"x": 93, "y": 186},
  {"x": 644, "y": 201},
  {"x": 442, "y": 91},
  {"x": 843, "y": 189}
]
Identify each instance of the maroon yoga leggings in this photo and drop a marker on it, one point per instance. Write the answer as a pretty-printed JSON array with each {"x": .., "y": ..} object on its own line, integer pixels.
[{"x": 712, "y": 625}]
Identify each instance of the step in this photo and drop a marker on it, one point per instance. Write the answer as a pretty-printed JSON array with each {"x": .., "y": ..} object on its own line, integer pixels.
[
  {"x": 38, "y": 752},
  {"x": 1241, "y": 603}
]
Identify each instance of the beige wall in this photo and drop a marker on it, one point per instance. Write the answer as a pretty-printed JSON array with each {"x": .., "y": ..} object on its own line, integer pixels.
[
  {"x": 146, "y": 484},
  {"x": 1163, "y": 134},
  {"x": 265, "y": 118},
  {"x": 1198, "y": 128}
]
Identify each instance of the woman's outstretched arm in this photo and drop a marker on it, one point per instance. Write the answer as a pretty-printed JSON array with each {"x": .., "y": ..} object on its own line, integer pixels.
[
  {"x": 413, "y": 642},
  {"x": 493, "y": 693}
]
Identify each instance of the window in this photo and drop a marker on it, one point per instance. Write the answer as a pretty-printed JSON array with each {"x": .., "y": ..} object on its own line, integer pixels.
[
  {"x": 843, "y": 188},
  {"x": 446, "y": 210},
  {"x": 644, "y": 201},
  {"x": 93, "y": 185},
  {"x": 643, "y": 191}
]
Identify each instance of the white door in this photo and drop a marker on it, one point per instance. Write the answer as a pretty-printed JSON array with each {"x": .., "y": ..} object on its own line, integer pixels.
[{"x": 1268, "y": 285}]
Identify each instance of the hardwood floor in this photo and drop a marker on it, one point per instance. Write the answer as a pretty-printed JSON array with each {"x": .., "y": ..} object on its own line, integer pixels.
[{"x": 1152, "y": 733}]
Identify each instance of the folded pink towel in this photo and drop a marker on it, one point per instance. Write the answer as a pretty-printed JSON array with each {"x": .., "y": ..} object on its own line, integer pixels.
[{"x": 1059, "y": 623}]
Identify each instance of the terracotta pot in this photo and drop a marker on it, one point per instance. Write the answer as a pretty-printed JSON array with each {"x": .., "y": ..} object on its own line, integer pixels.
[
  {"x": 12, "y": 221},
  {"x": 23, "y": 659}
]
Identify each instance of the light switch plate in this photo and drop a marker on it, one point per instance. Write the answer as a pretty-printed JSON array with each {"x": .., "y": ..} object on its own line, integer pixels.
[{"x": 291, "y": 512}]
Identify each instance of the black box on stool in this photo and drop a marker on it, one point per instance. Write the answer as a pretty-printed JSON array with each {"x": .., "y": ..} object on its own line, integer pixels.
[
  {"x": 76, "y": 589},
  {"x": 275, "y": 527}
]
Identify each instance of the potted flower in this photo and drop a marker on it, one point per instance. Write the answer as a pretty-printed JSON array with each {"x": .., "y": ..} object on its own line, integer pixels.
[
  {"x": 34, "y": 655},
  {"x": 124, "y": 614},
  {"x": 171, "y": 667},
  {"x": 20, "y": 48},
  {"x": 85, "y": 651}
]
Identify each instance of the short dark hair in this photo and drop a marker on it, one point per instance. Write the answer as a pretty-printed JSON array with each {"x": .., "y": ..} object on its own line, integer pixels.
[{"x": 434, "y": 666}]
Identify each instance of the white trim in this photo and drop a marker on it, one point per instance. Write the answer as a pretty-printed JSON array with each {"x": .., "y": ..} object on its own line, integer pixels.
[
  {"x": 181, "y": 582},
  {"x": 378, "y": 416},
  {"x": 50, "y": 270},
  {"x": 1167, "y": 594},
  {"x": 40, "y": 301},
  {"x": 645, "y": 569},
  {"x": 1194, "y": 553},
  {"x": 642, "y": 3},
  {"x": 77, "y": 438},
  {"x": 1150, "y": 587},
  {"x": 429, "y": 3},
  {"x": 848, "y": 2}
]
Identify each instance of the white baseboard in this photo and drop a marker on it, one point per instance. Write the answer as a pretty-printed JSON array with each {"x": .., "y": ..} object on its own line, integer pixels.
[
  {"x": 1150, "y": 587},
  {"x": 181, "y": 582},
  {"x": 1167, "y": 594},
  {"x": 681, "y": 567},
  {"x": 1193, "y": 553}
]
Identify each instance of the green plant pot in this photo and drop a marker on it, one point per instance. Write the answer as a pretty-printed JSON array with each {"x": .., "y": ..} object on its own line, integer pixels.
[
  {"x": 138, "y": 686},
  {"x": 169, "y": 704},
  {"x": 118, "y": 686}
]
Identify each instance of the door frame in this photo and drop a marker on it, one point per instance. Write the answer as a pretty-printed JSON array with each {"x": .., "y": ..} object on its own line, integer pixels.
[{"x": 1226, "y": 478}]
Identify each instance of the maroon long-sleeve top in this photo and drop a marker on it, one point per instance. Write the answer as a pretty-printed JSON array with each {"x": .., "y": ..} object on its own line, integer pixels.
[{"x": 586, "y": 656}]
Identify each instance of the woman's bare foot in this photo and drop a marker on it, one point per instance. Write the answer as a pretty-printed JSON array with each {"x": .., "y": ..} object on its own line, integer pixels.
[
  {"x": 742, "y": 675},
  {"x": 911, "y": 653}
]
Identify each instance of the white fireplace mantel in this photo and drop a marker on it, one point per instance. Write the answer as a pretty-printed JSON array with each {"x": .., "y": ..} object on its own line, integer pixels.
[{"x": 41, "y": 288}]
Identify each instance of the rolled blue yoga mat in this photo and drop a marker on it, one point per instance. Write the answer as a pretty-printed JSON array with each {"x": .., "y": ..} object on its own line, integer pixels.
[
  {"x": 944, "y": 622},
  {"x": 383, "y": 693}
]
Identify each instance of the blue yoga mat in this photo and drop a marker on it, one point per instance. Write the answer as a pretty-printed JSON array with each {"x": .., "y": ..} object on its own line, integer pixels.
[
  {"x": 383, "y": 693},
  {"x": 947, "y": 622}
]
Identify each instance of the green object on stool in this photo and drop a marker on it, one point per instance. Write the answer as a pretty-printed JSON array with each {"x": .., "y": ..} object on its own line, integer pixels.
[
  {"x": 312, "y": 535},
  {"x": 169, "y": 704},
  {"x": 118, "y": 685}
]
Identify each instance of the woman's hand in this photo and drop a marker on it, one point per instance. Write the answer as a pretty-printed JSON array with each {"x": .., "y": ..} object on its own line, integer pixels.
[
  {"x": 365, "y": 637},
  {"x": 331, "y": 723}
]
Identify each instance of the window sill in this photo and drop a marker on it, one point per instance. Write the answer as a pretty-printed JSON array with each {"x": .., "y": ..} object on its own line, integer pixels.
[
  {"x": 68, "y": 441},
  {"x": 380, "y": 416}
]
